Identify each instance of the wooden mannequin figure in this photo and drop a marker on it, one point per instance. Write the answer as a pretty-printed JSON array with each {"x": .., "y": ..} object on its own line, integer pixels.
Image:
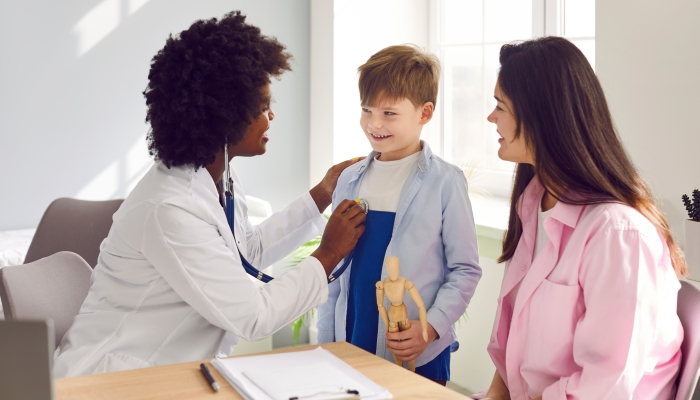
[{"x": 395, "y": 287}]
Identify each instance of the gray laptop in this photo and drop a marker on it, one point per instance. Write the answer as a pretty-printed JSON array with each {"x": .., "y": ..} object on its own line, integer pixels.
[{"x": 26, "y": 357}]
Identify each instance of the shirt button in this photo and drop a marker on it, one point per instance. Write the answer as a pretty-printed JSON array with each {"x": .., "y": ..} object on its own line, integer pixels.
[
  {"x": 498, "y": 300},
  {"x": 522, "y": 268},
  {"x": 493, "y": 340}
]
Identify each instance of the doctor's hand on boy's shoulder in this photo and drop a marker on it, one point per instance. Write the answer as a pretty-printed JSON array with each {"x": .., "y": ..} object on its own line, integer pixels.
[
  {"x": 409, "y": 344},
  {"x": 344, "y": 228},
  {"x": 323, "y": 192}
]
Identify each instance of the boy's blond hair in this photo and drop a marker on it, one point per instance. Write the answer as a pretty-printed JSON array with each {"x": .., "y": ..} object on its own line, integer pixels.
[{"x": 398, "y": 72}]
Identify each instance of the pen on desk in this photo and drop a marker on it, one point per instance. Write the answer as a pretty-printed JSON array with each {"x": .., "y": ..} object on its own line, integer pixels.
[{"x": 210, "y": 378}]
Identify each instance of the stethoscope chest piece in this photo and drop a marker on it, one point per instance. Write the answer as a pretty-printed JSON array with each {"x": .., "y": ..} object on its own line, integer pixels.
[
  {"x": 363, "y": 204},
  {"x": 227, "y": 200}
]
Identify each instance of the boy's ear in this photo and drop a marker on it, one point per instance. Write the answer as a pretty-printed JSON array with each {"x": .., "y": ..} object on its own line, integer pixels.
[{"x": 426, "y": 112}]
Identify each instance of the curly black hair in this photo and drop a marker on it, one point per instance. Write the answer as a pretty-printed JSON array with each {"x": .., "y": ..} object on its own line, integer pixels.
[{"x": 205, "y": 88}]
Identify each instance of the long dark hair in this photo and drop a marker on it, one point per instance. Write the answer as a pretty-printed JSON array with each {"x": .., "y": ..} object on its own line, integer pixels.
[{"x": 560, "y": 108}]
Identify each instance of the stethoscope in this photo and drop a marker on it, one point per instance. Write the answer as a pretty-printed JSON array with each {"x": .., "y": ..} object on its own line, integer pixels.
[{"x": 228, "y": 204}]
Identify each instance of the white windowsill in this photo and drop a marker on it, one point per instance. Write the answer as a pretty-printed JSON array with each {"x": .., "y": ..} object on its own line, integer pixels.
[{"x": 490, "y": 215}]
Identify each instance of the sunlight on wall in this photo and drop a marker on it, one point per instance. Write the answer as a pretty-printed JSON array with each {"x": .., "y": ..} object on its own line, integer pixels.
[
  {"x": 360, "y": 34},
  {"x": 101, "y": 20},
  {"x": 137, "y": 163},
  {"x": 134, "y": 5},
  {"x": 102, "y": 187},
  {"x": 120, "y": 177},
  {"x": 97, "y": 24}
]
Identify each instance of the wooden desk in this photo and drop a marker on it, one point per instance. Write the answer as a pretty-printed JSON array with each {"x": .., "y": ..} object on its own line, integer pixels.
[{"x": 185, "y": 381}]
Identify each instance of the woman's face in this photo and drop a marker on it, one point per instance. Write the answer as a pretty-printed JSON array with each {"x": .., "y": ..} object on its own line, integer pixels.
[
  {"x": 255, "y": 140},
  {"x": 512, "y": 148}
]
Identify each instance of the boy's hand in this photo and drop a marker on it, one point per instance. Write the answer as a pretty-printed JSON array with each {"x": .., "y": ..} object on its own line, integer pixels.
[
  {"x": 409, "y": 344},
  {"x": 323, "y": 192}
]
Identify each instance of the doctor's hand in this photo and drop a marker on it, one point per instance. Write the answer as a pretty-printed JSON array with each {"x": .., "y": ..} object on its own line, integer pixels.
[
  {"x": 323, "y": 192},
  {"x": 409, "y": 344},
  {"x": 344, "y": 228}
]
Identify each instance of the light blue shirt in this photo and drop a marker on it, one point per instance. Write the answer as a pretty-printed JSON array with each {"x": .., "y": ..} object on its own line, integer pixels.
[{"x": 433, "y": 236}]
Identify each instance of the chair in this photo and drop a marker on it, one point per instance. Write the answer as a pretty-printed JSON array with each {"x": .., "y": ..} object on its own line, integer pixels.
[
  {"x": 26, "y": 349},
  {"x": 51, "y": 288},
  {"x": 73, "y": 225},
  {"x": 689, "y": 314}
]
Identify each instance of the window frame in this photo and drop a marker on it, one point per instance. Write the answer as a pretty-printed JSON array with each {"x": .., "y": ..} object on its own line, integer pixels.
[{"x": 548, "y": 18}]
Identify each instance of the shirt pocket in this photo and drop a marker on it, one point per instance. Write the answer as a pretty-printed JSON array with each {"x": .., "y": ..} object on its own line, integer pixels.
[
  {"x": 553, "y": 314},
  {"x": 113, "y": 362}
]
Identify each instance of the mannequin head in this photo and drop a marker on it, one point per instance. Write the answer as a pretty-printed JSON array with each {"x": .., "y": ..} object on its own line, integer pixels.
[{"x": 393, "y": 266}]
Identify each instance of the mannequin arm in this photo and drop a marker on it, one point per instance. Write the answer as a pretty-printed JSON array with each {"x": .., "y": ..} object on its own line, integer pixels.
[
  {"x": 422, "y": 313},
  {"x": 380, "y": 304}
]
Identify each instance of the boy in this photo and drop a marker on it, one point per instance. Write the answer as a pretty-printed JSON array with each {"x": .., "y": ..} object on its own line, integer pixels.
[{"x": 419, "y": 211}]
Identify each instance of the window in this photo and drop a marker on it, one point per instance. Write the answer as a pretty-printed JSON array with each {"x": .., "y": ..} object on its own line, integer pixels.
[{"x": 467, "y": 36}]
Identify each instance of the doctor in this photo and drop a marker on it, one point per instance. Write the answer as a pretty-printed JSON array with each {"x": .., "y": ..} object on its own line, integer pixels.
[{"x": 169, "y": 285}]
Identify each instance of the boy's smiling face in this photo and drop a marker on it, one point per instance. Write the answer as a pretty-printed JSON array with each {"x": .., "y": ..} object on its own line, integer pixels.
[{"x": 393, "y": 127}]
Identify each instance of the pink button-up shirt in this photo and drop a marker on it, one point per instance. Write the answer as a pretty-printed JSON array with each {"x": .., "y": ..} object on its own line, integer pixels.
[{"x": 594, "y": 316}]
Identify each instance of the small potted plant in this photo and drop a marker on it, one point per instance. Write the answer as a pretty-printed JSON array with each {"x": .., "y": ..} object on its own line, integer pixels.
[
  {"x": 692, "y": 234},
  {"x": 297, "y": 256}
]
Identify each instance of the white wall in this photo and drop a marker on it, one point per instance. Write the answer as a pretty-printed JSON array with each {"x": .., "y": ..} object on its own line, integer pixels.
[
  {"x": 71, "y": 109},
  {"x": 647, "y": 57},
  {"x": 471, "y": 365},
  {"x": 363, "y": 27},
  {"x": 345, "y": 33},
  {"x": 321, "y": 136}
]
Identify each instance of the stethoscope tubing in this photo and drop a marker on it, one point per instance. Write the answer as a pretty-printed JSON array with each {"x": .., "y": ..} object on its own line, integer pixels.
[
  {"x": 230, "y": 212},
  {"x": 249, "y": 268}
]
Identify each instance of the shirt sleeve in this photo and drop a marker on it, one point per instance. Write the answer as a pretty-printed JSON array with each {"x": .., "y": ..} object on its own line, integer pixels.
[
  {"x": 185, "y": 247},
  {"x": 326, "y": 314},
  {"x": 622, "y": 277},
  {"x": 461, "y": 255},
  {"x": 284, "y": 231}
]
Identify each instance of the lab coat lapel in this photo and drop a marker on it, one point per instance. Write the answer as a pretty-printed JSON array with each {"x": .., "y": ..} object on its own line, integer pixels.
[{"x": 206, "y": 190}]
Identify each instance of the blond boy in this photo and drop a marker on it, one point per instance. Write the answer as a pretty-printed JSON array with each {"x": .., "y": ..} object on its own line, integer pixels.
[{"x": 419, "y": 212}]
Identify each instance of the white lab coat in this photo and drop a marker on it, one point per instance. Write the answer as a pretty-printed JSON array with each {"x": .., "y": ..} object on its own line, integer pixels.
[{"x": 169, "y": 283}]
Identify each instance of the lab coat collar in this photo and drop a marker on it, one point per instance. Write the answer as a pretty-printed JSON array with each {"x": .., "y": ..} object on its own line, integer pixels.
[
  {"x": 203, "y": 176},
  {"x": 205, "y": 187}
]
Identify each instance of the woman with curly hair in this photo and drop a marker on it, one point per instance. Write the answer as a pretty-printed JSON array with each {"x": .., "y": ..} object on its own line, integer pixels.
[{"x": 169, "y": 285}]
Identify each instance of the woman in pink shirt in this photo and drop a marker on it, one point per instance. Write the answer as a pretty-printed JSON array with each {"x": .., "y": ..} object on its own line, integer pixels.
[{"x": 587, "y": 309}]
